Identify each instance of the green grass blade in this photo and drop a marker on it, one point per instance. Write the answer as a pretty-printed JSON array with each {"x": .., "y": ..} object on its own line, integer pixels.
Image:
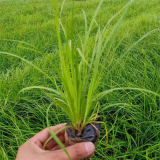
[
  {"x": 23, "y": 42},
  {"x": 41, "y": 87},
  {"x": 62, "y": 6},
  {"x": 59, "y": 142},
  {"x": 134, "y": 44},
  {"x": 102, "y": 94},
  {"x": 55, "y": 134},
  {"x": 31, "y": 64}
]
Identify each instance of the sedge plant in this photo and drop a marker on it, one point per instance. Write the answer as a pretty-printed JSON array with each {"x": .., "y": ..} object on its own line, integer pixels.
[{"x": 80, "y": 68}]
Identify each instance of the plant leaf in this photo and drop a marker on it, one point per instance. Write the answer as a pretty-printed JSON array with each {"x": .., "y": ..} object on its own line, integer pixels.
[
  {"x": 41, "y": 87},
  {"x": 59, "y": 142},
  {"x": 28, "y": 62},
  {"x": 102, "y": 94},
  {"x": 56, "y": 134}
]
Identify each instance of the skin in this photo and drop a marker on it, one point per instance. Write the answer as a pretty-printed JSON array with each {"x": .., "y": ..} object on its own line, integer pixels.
[{"x": 33, "y": 148}]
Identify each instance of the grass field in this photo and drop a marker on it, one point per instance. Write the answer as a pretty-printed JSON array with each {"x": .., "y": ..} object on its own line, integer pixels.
[{"x": 132, "y": 117}]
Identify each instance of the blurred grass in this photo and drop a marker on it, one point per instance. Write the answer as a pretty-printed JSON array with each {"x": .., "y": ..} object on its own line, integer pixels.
[{"x": 132, "y": 118}]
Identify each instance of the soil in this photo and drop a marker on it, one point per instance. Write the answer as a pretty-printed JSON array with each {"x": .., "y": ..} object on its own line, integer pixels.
[{"x": 90, "y": 133}]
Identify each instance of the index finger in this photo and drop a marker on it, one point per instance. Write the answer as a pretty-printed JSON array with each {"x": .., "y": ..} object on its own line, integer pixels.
[{"x": 43, "y": 136}]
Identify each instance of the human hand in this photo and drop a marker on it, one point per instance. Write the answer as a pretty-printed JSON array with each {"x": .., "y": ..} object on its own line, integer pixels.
[{"x": 33, "y": 148}]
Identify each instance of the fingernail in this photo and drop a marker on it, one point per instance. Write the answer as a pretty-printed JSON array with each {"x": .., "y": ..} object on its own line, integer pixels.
[{"x": 89, "y": 147}]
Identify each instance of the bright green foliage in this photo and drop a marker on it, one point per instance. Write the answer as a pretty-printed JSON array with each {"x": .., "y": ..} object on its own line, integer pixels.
[
  {"x": 132, "y": 116},
  {"x": 79, "y": 71},
  {"x": 80, "y": 68}
]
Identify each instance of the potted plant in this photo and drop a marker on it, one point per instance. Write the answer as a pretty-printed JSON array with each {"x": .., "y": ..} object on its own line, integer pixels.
[{"x": 80, "y": 70}]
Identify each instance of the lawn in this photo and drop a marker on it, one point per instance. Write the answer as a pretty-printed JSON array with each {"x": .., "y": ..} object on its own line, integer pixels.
[{"x": 132, "y": 117}]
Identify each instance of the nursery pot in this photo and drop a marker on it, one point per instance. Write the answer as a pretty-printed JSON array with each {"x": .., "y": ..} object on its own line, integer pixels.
[{"x": 90, "y": 133}]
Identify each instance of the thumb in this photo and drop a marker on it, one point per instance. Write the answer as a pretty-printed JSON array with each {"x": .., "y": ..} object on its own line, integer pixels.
[{"x": 78, "y": 151}]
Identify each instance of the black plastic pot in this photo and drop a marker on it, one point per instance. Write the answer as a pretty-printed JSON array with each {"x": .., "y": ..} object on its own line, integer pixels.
[{"x": 90, "y": 133}]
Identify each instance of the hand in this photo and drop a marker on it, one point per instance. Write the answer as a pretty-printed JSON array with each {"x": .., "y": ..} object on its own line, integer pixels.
[{"x": 33, "y": 148}]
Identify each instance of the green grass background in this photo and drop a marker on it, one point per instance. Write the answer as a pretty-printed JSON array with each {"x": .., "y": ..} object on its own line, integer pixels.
[{"x": 132, "y": 117}]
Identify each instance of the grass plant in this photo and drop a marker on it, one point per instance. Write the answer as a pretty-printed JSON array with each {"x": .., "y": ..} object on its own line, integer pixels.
[{"x": 131, "y": 115}]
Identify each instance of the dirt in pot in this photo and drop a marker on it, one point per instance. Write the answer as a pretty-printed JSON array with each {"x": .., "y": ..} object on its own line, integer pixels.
[{"x": 90, "y": 133}]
